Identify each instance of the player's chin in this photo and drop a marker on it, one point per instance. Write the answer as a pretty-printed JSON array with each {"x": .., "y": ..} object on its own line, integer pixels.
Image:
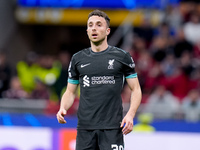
[{"x": 94, "y": 40}]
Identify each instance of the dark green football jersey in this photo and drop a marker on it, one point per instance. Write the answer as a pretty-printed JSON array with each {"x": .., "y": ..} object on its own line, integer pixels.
[{"x": 101, "y": 77}]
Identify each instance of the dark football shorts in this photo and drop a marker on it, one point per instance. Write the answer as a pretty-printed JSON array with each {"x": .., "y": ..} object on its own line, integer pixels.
[{"x": 108, "y": 139}]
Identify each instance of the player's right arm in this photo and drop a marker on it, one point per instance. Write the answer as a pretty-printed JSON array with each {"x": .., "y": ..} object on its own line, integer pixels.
[{"x": 66, "y": 101}]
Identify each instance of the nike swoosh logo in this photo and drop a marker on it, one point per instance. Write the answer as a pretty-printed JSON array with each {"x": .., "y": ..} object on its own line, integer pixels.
[{"x": 82, "y": 66}]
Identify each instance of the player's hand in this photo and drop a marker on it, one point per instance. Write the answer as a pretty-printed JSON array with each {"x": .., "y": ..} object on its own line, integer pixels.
[
  {"x": 127, "y": 124},
  {"x": 60, "y": 116}
]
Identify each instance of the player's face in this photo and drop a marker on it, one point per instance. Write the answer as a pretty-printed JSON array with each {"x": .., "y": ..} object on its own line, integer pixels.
[{"x": 97, "y": 29}]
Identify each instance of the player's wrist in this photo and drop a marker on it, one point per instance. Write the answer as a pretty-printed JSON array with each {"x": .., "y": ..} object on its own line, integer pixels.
[
  {"x": 131, "y": 113},
  {"x": 63, "y": 109}
]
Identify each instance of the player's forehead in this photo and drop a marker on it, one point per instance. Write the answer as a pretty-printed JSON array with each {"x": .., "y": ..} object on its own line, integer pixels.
[{"x": 95, "y": 19}]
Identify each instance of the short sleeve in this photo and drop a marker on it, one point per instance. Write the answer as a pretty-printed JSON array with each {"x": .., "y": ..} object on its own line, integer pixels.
[
  {"x": 73, "y": 76},
  {"x": 129, "y": 66}
]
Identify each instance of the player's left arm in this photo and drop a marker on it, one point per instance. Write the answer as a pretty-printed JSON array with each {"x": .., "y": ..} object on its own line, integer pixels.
[{"x": 136, "y": 96}]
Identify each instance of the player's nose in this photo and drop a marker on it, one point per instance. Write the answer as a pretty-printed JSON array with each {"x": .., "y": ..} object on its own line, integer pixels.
[{"x": 93, "y": 28}]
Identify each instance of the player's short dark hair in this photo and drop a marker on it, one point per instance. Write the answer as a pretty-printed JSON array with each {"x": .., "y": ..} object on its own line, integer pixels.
[{"x": 100, "y": 14}]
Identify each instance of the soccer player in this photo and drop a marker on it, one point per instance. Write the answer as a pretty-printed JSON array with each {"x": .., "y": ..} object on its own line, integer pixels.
[{"x": 100, "y": 70}]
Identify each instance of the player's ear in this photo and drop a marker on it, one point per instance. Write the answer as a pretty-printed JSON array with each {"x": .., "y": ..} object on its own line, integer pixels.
[
  {"x": 87, "y": 30},
  {"x": 107, "y": 31}
]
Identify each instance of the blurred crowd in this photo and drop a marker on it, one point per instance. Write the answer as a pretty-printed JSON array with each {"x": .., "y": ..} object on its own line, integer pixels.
[
  {"x": 37, "y": 77},
  {"x": 167, "y": 59}
]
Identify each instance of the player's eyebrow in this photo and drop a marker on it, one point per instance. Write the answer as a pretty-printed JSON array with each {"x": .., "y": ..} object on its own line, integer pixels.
[{"x": 98, "y": 22}]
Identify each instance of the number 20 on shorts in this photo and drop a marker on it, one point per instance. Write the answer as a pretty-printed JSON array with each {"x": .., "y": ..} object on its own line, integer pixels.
[{"x": 116, "y": 147}]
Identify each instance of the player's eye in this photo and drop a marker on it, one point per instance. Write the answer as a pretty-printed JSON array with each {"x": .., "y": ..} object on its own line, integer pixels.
[{"x": 90, "y": 25}]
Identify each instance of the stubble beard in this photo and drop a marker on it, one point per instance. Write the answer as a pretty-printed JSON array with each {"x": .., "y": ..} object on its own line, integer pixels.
[{"x": 99, "y": 42}]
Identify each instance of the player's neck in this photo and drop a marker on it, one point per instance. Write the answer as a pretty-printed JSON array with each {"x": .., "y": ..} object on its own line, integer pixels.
[{"x": 99, "y": 47}]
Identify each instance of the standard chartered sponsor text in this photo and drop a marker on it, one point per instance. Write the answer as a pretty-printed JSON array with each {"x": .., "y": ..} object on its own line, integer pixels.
[{"x": 103, "y": 80}]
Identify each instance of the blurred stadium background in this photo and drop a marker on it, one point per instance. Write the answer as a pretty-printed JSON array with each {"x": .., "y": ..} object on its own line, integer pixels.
[{"x": 38, "y": 38}]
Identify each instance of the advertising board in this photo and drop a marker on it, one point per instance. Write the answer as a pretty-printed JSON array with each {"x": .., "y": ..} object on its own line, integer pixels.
[{"x": 29, "y": 138}]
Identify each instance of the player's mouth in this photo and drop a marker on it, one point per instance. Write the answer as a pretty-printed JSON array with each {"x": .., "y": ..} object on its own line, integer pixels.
[{"x": 94, "y": 35}]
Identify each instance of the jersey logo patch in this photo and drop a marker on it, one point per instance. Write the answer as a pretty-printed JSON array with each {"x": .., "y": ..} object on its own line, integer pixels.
[
  {"x": 86, "y": 81},
  {"x": 82, "y": 66},
  {"x": 110, "y": 64}
]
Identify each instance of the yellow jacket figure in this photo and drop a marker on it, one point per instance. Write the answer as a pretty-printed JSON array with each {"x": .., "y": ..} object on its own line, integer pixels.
[{"x": 144, "y": 123}]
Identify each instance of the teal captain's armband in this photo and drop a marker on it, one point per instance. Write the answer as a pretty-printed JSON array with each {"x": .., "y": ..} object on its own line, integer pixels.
[
  {"x": 73, "y": 81},
  {"x": 132, "y": 76}
]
